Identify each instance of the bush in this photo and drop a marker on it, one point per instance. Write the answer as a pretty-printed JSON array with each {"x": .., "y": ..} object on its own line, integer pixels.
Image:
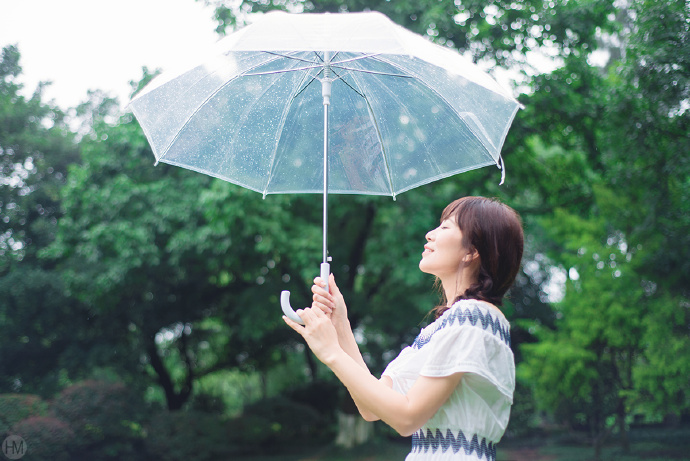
[
  {"x": 105, "y": 417},
  {"x": 523, "y": 414},
  {"x": 178, "y": 436},
  {"x": 277, "y": 424},
  {"x": 324, "y": 396},
  {"x": 16, "y": 407},
  {"x": 46, "y": 438}
]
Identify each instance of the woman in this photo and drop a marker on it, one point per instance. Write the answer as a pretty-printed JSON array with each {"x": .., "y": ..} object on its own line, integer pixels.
[{"x": 453, "y": 387}]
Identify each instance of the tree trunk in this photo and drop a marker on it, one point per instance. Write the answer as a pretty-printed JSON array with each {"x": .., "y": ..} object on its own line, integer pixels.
[
  {"x": 622, "y": 429},
  {"x": 311, "y": 363},
  {"x": 599, "y": 441},
  {"x": 353, "y": 430},
  {"x": 597, "y": 449},
  {"x": 174, "y": 399}
]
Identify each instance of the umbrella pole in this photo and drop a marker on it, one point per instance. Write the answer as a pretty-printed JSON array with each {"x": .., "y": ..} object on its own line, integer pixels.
[
  {"x": 325, "y": 181},
  {"x": 326, "y": 93}
]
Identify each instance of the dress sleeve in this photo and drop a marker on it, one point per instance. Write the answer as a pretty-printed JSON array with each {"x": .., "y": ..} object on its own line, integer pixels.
[
  {"x": 469, "y": 348},
  {"x": 402, "y": 370}
]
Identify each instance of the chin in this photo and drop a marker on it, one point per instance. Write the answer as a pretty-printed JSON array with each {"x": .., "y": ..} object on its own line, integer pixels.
[{"x": 423, "y": 268}]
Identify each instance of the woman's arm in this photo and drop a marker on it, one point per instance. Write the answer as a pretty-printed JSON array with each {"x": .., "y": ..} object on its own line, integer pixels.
[
  {"x": 404, "y": 413},
  {"x": 348, "y": 344},
  {"x": 333, "y": 304}
]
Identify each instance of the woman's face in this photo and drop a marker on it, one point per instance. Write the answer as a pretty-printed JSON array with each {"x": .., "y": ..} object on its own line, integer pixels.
[{"x": 443, "y": 252}]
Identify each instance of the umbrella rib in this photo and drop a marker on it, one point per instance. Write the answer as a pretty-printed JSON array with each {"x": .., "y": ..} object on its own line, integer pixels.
[
  {"x": 243, "y": 117},
  {"x": 398, "y": 100},
  {"x": 364, "y": 71},
  {"x": 356, "y": 58},
  {"x": 388, "y": 172},
  {"x": 448, "y": 104},
  {"x": 283, "y": 118},
  {"x": 350, "y": 86},
  {"x": 304, "y": 87},
  {"x": 287, "y": 56},
  {"x": 372, "y": 116},
  {"x": 429, "y": 157},
  {"x": 164, "y": 152},
  {"x": 284, "y": 71}
]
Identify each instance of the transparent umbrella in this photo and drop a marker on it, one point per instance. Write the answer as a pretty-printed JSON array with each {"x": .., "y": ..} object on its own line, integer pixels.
[{"x": 403, "y": 111}]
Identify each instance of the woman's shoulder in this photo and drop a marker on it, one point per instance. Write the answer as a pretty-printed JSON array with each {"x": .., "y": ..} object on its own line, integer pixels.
[
  {"x": 477, "y": 314},
  {"x": 478, "y": 307}
]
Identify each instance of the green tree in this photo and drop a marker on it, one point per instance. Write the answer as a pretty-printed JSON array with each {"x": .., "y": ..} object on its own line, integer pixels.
[
  {"x": 583, "y": 370},
  {"x": 113, "y": 248},
  {"x": 632, "y": 300},
  {"x": 36, "y": 148},
  {"x": 649, "y": 122},
  {"x": 177, "y": 293},
  {"x": 648, "y": 126}
]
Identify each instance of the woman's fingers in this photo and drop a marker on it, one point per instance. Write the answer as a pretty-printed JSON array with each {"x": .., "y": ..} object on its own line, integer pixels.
[
  {"x": 326, "y": 301},
  {"x": 311, "y": 316},
  {"x": 318, "y": 332},
  {"x": 306, "y": 316},
  {"x": 317, "y": 313},
  {"x": 319, "y": 287},
  {"x": 318, "y": 291},
  {"x": 321, "y": 298},
  {"x": 294, "y": 325},
  {"x": 333, "y": 287}
]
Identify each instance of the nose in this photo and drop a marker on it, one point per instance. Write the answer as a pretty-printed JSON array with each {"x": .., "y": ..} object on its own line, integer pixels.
[{"x": 429, "y": 235}]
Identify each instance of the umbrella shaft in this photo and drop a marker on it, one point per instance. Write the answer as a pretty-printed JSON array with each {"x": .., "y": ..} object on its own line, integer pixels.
[{"x": 326, "y": 103}]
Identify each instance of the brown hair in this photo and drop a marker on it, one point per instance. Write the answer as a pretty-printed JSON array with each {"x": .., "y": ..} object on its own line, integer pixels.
[{"x": 495, "y": 231}]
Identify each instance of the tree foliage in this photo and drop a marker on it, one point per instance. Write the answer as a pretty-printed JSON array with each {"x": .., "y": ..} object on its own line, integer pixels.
[
  {"x": 628, "y": 294},
  {"x": 36, "y": 148}
]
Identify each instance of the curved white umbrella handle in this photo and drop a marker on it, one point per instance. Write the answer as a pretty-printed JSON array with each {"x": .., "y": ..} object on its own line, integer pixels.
[
  {"x": 285, "y": 296},
  {"x": 287, "y": 309}
]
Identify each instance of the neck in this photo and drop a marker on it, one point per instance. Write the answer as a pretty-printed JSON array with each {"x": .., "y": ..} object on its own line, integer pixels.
[{"x": 455, "y": 285}]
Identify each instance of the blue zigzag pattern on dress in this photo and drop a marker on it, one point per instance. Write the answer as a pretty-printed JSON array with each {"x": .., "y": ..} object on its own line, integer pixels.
[
  {"x": 422, "y": 442},
  {"x": 465, "y": 315}
]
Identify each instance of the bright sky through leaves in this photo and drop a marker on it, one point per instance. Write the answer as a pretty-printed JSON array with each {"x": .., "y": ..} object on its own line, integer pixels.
[{"x": 101, "y": 44}]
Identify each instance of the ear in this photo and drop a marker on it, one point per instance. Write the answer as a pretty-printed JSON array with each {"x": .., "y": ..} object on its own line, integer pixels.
[{"x": 471, "y": 255}]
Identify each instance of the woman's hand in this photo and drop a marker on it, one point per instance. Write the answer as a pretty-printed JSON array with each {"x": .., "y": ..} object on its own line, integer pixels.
[
  {"x": 330, "y": 302},
  {"x": 319, "y": 333}
]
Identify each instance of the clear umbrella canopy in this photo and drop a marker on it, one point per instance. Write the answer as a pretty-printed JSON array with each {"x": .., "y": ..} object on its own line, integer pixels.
[{"x": 404, "y": 112}]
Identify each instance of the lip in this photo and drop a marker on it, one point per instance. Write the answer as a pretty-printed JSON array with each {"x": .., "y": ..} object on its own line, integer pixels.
[{"x": 427, "y": 250}]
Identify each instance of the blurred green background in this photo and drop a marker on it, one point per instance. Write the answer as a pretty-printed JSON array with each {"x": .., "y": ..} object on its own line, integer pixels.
[{"x": 139, "y": 310}]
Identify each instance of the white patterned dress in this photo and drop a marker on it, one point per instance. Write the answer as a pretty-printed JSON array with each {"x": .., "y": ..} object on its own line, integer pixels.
[{"x": 474, "y": 338}]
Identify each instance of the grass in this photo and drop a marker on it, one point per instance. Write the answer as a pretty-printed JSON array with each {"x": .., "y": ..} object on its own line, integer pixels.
[
  {"x": 377, "y": 450},
  {"x": 646, "y": 445}
]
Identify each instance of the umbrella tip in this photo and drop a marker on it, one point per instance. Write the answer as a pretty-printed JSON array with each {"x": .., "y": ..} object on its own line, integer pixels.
[{"x": 501, "y": 166}]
